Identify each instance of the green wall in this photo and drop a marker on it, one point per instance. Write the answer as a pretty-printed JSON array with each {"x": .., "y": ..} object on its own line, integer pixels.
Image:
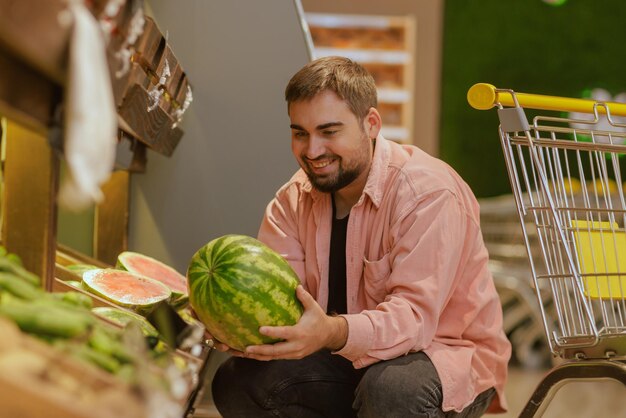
[{"x": 528, "y": 46}]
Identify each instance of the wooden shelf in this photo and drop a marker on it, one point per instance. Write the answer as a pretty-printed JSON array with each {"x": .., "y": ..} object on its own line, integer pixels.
[{"x": 384, "y": 45}]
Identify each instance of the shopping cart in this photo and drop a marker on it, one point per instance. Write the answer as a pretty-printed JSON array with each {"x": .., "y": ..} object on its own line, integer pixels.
[{"x": 565, "y": 170}]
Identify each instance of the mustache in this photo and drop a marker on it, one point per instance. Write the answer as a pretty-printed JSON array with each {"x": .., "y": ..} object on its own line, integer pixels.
[{"x": 321, "y": 157}]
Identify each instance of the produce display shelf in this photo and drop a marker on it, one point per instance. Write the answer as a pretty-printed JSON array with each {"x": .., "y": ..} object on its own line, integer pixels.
[
  {"x": 66, "y": 256},
  {"x": 150, "y": 95}
]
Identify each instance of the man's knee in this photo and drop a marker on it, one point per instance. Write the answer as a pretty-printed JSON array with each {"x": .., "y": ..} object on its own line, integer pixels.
[
  {"x": 318, "y": 385},
  {"x": 234, "y": 387},
  {"x": 409, "y": 384},
  {"x": 225, "y": 387}
]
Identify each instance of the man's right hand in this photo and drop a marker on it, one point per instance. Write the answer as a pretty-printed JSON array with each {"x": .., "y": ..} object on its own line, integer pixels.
[{"x": 214, "y": 343}]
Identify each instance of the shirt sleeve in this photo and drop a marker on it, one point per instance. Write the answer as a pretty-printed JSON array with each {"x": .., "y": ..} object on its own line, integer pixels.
[{"x": 425, "y": 259}]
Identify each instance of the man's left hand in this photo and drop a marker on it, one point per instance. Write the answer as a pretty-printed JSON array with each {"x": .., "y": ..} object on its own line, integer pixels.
[{"x": 314, "y": 331}]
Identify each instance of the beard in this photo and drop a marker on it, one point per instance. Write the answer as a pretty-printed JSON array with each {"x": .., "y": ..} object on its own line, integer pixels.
[
  {"x": 336, "y": 181},
  {"x": 345, "y": 174}
]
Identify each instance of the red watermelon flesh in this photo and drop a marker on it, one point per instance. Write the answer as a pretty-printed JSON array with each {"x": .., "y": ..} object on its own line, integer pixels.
[
  {"x": 154, "y": 269},
  {"x": 125, "y": 288}
]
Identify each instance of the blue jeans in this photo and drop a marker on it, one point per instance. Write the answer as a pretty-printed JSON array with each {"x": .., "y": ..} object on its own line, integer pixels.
[{"x": 326, "y": 385}]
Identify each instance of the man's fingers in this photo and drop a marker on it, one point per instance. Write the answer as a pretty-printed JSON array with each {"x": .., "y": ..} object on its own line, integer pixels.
[
  {"x": 276, "y": 332},
  {"x": 261, "y": 350},
  {"x": 305, "y": 297},
  {"x": 278, "y": 350},
  {"x": 221, "y": 347}
]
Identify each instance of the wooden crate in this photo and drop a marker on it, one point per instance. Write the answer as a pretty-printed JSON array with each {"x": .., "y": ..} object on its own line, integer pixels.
[
  {"x": 154, "y": 69},
  {"x": 34, "y": 57}
]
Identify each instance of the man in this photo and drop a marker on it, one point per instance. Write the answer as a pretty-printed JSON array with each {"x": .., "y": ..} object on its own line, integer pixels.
[{"x": 401, "y": 315}]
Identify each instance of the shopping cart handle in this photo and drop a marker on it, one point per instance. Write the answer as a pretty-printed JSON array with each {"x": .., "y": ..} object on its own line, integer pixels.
[{"x": 484, "y": 96}]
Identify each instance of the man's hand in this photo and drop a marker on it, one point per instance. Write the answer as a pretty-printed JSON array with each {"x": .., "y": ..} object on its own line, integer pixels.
[
  {"x": 314, "y": 331},
  {"x": 214, "y": 343}
]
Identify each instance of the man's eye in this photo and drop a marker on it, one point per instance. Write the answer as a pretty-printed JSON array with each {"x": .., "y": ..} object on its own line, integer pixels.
[
  {"x": 299, "y": 134},
  {"x": 329, "y": 133}
]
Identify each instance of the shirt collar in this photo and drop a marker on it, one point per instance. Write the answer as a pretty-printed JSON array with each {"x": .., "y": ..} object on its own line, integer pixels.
[{"x": 376, "y": 179}]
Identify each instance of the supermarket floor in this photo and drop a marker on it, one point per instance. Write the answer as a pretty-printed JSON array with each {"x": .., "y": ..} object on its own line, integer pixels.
[
  {"x": 600, "y": 398},
  {"x": 596, "y": 399}
]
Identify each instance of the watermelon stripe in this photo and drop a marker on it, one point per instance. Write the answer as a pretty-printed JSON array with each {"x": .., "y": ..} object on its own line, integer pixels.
[
  {"x": 236, "y": 316},
  {"x": 239, "y": 312},
  {"x": 253, "y": 300},
  {"x": 273, "y": 289}
]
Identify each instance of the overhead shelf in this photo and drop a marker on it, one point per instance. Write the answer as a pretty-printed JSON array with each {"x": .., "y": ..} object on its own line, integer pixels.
[
  {"x": 324, "y": 20},
  {"x": 371, "y": 56},
  {"x": 394, "y": 95},
  {"x": 395, "y": 133}
]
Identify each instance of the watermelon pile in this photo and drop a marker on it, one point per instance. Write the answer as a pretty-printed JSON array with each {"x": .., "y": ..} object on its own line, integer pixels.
[
  {"x": 237, "y": 284},
  {"x": 149, "y": 267},
  {"x": 138, "y": 282}
]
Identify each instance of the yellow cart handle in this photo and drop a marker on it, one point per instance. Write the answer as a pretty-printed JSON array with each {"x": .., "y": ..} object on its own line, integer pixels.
[{"x": 483, "y": 96}]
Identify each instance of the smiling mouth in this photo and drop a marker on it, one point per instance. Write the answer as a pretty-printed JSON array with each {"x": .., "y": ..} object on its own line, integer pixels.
[{"x": 320, "y": 164}]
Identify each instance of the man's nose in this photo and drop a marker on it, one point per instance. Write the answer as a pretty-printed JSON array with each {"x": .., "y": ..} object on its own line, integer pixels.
[{"x": 315, "y": 147}]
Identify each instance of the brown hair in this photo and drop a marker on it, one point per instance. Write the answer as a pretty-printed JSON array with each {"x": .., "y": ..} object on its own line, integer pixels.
[{"x": 349, "y": 80}]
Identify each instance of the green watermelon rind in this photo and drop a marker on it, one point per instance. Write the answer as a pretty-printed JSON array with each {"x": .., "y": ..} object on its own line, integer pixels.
[
  {"x": 179, "y": 302},
  {"x": 231, "y": 315},
  {"x": 138, "y": 306},
  {"x": 122, "y": 265},
  {"x": 124, "y": 317},
  {"x": 79, "y": 269},
  {"x": 75, "y": 283}
]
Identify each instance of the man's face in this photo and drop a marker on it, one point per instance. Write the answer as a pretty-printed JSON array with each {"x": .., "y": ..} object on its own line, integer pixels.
[{"x": 329, "y": 142}]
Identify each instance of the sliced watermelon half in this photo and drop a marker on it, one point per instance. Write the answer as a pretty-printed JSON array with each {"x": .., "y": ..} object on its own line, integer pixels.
[
  {"x": 154, "y": 269},
  {"x": 126, "y": 289}
]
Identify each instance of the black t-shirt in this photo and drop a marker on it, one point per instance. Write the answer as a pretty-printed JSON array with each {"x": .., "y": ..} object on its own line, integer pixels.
[{"x": 337, "y": 266}]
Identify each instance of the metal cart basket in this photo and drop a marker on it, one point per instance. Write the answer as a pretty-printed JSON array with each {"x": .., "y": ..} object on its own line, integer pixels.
[{"x": 566, "y": 173}]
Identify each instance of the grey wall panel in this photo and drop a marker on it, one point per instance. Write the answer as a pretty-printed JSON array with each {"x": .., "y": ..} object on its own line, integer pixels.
[{"x": 235, "y": 153}]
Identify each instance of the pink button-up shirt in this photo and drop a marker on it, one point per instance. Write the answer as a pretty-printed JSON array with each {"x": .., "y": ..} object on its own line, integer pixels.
[{"x": 417, "y": 276}]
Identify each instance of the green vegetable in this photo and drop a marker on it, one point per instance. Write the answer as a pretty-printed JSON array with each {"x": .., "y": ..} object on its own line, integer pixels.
[
  {"x": 96, "y": 357},
  {"x": 47, "y": 320},
  {"x": 74, "y": 298},
  {"x": 108, "y": 343},
  {"x": 18, "y": 287},
  {"x": 11, "y": 266}
]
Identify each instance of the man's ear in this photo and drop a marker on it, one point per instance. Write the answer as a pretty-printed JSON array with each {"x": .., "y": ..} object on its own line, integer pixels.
[{"x": 372, "y": 123}]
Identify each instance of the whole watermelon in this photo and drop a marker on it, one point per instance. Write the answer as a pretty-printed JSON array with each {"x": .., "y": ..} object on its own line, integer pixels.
[{"x": 237, "y": 284}]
